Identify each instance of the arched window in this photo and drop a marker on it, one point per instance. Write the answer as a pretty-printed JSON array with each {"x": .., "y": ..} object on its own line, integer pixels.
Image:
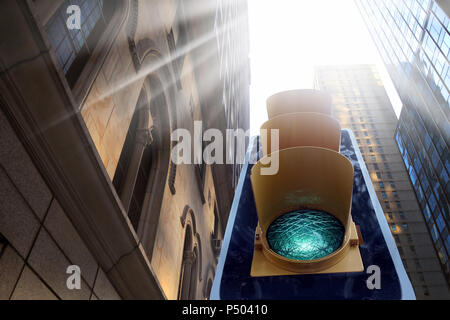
[
  {"x": 140, "y": 187},
  {"x": 189, "y": 268},
  {"x": 135, "y": 163},
  {"x": 74, "y": 47}
]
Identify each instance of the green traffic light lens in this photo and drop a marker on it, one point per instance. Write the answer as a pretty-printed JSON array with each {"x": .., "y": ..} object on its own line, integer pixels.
[{"x": 305, "y": 235}]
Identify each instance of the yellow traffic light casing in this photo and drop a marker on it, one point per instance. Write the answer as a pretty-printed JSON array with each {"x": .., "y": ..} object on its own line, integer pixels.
[
  {"x": 299, "y": 101},
  {"x": 312, "y": 175},
  {"x": 303, "y": 129}
]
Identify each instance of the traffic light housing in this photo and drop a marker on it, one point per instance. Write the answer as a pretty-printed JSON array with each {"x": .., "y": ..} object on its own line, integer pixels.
[{"x": 308, "y": 202}]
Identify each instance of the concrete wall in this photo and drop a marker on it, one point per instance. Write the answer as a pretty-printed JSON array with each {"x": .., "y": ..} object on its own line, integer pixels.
[{"x": 41, "y": 242}]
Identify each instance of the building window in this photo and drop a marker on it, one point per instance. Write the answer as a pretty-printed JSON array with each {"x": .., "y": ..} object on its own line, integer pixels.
[
  {"x": 384, "y": 195},
  {"x": 421, "y": 277},
  {"x": 216, "y": 223},
  {"x": 133, "y": 169},
  {"x": 417, "y": 263},
  {"x": 190, "y": 267},
  {"x": 3, "y": 244},
  {"x": 178, "y": 40},
  {"x": 73, "y": 48},
  {"x": 405, "y": 227}
]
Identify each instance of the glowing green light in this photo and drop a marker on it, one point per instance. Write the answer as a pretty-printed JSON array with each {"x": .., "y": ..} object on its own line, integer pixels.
[{"x": 305, "y": 235}]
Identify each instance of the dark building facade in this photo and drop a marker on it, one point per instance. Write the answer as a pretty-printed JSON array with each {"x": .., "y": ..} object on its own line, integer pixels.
[
  {"x": 413, "y": 38},
  {"x": 87, "y": 177},
  {"x": 362, "y": 104}
]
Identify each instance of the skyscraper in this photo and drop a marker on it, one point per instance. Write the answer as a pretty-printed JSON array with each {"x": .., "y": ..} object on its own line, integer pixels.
[
  {"x": 362, "y": 104},
  {"x": 413, "y": 38}
]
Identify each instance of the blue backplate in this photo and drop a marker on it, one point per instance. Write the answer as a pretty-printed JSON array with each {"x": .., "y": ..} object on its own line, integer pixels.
[{"x": 233, "y": 280}]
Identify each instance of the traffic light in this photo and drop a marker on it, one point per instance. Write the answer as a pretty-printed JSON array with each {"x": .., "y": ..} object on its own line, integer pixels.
[{"x": 304, "y": 211}]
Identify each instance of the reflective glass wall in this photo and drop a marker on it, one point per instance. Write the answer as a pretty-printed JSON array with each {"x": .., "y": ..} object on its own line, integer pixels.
[{"x": 413, "y": 39}]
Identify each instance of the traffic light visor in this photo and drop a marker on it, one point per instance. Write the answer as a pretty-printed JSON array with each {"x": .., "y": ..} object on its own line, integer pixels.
[
  {"x": 306, "y": 100},
  {"x": 302, "y": 129}
]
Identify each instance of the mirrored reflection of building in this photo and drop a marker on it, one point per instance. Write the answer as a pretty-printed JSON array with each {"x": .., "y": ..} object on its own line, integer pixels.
[
  {"x": 413, "y": 38},
  {"x": 86, "y": 170},
  {"x": 362, "y": 104}
]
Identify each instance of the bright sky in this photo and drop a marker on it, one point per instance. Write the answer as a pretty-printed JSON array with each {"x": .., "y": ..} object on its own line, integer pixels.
[{"x": 289, "y": 37}]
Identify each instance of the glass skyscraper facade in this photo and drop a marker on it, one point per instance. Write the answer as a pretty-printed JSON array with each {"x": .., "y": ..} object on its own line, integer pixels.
[
  {"x": 361, "y": 103},
  {"x": 413, "y": 39}
]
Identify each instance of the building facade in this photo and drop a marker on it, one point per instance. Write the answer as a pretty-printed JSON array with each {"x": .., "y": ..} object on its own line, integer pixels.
[
  {"x": 413, "y": 38},
  {"x": 362, "y": 104},
  {"x": 86, "y": 164}
]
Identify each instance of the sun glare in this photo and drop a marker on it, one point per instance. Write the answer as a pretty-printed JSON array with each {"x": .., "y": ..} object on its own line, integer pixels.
[{"x": 289, "y": 37}]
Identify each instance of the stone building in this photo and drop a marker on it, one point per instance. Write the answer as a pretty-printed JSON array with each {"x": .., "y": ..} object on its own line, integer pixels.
[{"x": 86, "y": 170}]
